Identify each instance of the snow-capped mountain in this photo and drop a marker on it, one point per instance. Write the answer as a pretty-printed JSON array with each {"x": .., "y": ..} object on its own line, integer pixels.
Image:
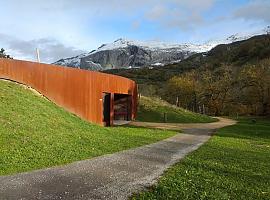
[{"x": 124, "y": 53}]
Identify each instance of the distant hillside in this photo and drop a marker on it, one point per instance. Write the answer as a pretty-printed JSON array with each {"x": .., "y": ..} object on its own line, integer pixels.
[{"x": 237, "y": 54}]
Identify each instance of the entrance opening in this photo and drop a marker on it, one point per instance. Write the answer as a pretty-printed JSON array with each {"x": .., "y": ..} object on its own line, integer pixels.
[
  {"x": 106, "y": 108},
  {"x": 122, "y": 108}
]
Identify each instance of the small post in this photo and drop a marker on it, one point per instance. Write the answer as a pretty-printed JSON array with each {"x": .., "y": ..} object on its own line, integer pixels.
[
  {"x": 38, "y": 58},
  {"x": 165, "y": 117},
  {"x": 203, "y": 109}
]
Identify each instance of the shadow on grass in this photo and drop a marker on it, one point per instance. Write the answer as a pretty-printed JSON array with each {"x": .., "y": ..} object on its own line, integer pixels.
[{"x": 152, "y": 128}]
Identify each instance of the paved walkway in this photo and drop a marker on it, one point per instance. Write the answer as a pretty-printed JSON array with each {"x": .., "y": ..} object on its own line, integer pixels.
[{"x": 114, "y": 176}]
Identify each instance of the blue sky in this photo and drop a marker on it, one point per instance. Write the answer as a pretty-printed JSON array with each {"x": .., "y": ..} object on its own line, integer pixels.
[{"x": 64, "y": 28}]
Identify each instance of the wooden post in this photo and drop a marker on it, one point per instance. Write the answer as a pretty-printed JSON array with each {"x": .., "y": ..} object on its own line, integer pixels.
[
  {"x": 165, "y": 117},
  {"x": 203, "y": 109}
]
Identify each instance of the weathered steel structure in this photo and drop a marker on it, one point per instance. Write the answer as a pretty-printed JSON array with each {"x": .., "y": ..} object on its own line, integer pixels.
[{"x": 90, "y": 95}]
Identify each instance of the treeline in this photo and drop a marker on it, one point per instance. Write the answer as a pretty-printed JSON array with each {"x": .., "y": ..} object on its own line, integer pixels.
[{"x": 223, "y": 91}]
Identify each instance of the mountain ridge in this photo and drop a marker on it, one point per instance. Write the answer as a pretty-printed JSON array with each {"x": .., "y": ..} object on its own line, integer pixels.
[
  {"x": 124, "y": 53},
  {"x": 235, "y": 54}
]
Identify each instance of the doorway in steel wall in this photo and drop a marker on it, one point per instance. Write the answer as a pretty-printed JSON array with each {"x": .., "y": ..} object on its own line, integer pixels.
[
  {"x": 106, "y": 109},
  {"x": 122, "y": 107}
]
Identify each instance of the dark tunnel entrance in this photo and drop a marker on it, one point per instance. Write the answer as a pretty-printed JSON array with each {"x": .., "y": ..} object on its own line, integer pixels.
[
  {"x": 122, "y": 107},
  {"x": 106, "y": 109}
]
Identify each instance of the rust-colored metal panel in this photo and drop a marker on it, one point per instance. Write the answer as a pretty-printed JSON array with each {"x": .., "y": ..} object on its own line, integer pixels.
[{"x": 78, "y": 91}]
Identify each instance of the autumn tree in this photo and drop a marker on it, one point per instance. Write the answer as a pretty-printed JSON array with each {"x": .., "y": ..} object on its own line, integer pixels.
[
  {"x": 255, "y": 86},
  {"x": 183, "y": 90},
  {"x": 197, "y": 90},
  {"x": 215, "y": 89}
]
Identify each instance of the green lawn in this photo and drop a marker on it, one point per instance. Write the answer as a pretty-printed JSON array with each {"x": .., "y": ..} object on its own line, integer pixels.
[
  {"x": 35, "y": 133},
  {"x": 234, "y": 164},
  {"x": 153, "y": 109}
]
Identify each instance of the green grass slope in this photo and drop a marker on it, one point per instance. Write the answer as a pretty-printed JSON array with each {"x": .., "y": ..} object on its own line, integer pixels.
[
  {"x": 234, "y": 164},
  {"x": 153, "y": 109},
  {"x": 35, "y": 133}
]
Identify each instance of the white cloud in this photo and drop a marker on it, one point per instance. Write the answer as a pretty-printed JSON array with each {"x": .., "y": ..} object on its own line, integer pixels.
[
  {"x": 157, "y": 12},
  {"x": 255, "y": 10},
  {"x": 50, "y": 49},
  {"x": 185, "y": 14},
  {"x": 135, "y": 25}
]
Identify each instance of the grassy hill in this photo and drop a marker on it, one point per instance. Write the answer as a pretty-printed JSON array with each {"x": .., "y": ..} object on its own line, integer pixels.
[
  {"x": 35, "y": 133},
  {"x": 153, "y": 109}
]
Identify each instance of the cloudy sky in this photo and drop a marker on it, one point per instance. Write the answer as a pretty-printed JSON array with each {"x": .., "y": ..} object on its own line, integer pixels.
[{"x": 64, "y": 28}]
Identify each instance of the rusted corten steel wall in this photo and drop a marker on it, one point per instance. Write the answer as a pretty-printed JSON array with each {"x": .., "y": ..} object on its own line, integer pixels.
[{"x": 78, "y": 91}]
